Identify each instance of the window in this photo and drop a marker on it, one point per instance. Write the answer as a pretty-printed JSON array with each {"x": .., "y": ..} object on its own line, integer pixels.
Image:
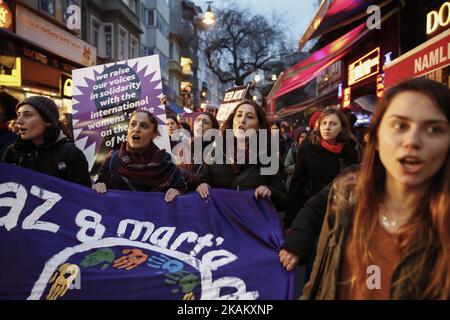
[
  {"x": 142, "y": 12},
  {"x": 151, "y": 18},
  {"x": 108, "y": 28},
  {"x": 162, "y": 25},
  {"x": 95, "y": 31},
  {"x": 123, "y": 43},
  {"x": 47, "y": 6},
  {"x": 134, "y": 47}
]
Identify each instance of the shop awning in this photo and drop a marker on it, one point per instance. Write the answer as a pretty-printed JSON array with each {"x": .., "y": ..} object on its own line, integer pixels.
[
  {"x": 430, "y": 56},
  {"x": 304, "y": 71},
  {"x": 333, "y": 14},
  {"x": 288, "y": 111}
]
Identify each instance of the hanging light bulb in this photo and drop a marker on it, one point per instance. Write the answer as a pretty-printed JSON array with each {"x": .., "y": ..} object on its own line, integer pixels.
[{"x": 209, "y": 18}]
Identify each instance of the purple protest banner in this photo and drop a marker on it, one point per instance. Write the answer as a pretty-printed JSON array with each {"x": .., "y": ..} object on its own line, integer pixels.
[{"x": 59, "y": 241}]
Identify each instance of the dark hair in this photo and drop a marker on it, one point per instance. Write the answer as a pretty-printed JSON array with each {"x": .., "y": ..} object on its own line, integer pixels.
[
  {"x": 150, "y": 117},
  {"x": 8, "y": 104},
  {"x": 174, "y": 118},
  {"x": 429, "y": 223},
  {"x": 215, "y": 123},
  {"x": 186, "y": 126},
  {"x": 263, "y": 124},
  {"x": 259, "y": 113},
  {"x": 343, "y": 136}
]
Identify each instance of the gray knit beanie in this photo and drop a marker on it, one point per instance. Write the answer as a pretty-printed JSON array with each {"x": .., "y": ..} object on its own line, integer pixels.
[{"x": 46, "y": 107}]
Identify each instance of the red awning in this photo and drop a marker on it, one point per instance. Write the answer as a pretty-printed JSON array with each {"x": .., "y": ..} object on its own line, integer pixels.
[
  {"x": 429, "y": 56},
  {"x": 304, "y": 71},
  {"x": 333, "y": 14}
]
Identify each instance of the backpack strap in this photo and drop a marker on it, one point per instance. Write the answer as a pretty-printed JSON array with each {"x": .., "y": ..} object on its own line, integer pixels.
[{"x": 114, "y": 161}]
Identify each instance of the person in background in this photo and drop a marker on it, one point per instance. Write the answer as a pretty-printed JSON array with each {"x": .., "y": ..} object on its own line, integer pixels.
[
  {"x": 301, "y": 136},
  {"x": 43, "y": 146},
  {"x": 7, "y": 113},
  {"x": 66, "y": 119},
  {"x": 318, "y": 163},
  {"x": 391, "y": 217},
  {"x": 139, "y": 165},
  {"x": 192, "y": 171}
]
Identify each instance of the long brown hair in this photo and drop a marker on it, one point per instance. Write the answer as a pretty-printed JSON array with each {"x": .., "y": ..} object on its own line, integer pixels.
[
  {"x": 343, "y": 136},
  {"x": 428, "y": 231}
]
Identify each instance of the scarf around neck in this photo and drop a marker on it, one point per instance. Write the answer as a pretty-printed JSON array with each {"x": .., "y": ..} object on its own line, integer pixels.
[
  {"x": 334, "y": 148},
  {"x": 152, "y": 168}
]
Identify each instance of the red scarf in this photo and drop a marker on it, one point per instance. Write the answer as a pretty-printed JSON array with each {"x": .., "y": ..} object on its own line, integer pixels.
[{"x": 335, "y": 148}]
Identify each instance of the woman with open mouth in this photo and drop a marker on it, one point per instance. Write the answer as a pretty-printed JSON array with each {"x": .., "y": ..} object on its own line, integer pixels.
[
  {"x": 386, "y": 232},
  {"x": 242, "y": 173},
  {"x": 139, "y": 165},
  {"x": 201, "y": 139},
  {"x": 43, "y": 145}
]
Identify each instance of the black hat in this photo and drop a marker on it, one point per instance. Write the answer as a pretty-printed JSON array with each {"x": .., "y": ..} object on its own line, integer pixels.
[
  {"x": 8, "y": 102},
  {"x": 46, "y": 107}
]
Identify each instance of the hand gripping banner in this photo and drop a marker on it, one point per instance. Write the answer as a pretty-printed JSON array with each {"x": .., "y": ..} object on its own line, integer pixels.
[{"x": 59, "y": 241}]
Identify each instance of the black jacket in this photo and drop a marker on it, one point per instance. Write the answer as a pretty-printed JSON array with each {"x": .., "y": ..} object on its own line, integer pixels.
[
  {"x": 60, "y": 159},
  {"x": 308, "y": 222},
  {"x": 315, "y": 167},
  {"x": 221, "y": 176}
]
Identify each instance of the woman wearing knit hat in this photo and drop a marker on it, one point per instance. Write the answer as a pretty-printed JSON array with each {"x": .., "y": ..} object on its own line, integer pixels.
[{"x": 42, "y": 145}]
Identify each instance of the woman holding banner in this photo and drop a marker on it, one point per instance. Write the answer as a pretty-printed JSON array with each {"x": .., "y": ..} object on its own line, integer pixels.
[
  {"x": 43, "y": 145},
  {"x": 245, "y": 123},
  {"x": 192, "y": 171},
  {"x": 386, "y": 233},
  {"x": 139, "y": 165}
]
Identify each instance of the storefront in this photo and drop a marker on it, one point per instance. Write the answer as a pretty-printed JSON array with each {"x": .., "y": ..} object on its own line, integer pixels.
[
  {"x": 38, "y": 56},
  {"x": 430, "y": 59},
  {"x": 348, "y": 67}
]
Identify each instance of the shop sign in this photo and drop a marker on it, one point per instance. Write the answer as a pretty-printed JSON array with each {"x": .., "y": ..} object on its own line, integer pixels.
[
  {"x": 49, "y": 36},
  {"x": 364, "y": 67},
  {"x": 12, "y": 77},
  {"x": 66, "y": 87},
  {"x": 347, "y": 97},
  {"x": 428, "y": 57},
  {"x": 5, "y": 16},
  {"x": 380, "y": 86},
  {"x": 438, "y": 18}
]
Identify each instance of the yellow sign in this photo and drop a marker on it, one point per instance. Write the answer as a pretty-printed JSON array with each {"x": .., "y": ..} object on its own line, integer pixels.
[
  {"x": 347, "y": 97},
  {"x": 438, "y": 18},
  {"x": 14, "y": 79},
  {"x": 67, "y": 88},
  {"x": 5, "y": 16},
  {"x": 364, "y": 67}
]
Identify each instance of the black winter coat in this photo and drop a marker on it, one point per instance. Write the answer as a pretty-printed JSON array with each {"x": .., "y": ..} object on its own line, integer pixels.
[
  {"x": 221, "y": 176},
  {"x": 315, "y": 167},
  {"x": 60, "y": 159}
]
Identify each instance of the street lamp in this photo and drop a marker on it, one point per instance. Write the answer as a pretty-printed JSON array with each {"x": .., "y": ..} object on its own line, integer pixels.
[{"x": 209, "y": 18}]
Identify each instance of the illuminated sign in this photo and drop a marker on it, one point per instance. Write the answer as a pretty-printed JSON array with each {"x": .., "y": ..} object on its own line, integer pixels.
[
  {"x": 11, "y": 75},
  {"x": 387, "y": 59},
  {"x": 66, "y": 87},
  {"x": 436, "y": 19},
  {"x": 339, "y": 88},
  {"x": 380, "y": 85},
  {"x": 347, "y": 97},
  {"x": 364, "y": 67},
  {"x": 5, "y": 16}
]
